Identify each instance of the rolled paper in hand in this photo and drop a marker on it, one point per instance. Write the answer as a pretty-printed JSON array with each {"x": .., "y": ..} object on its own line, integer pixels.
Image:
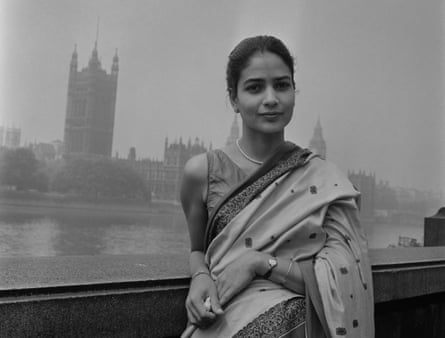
[
  {"x": 192, "y": 328},
  {"x": 207, "y": 304},
  {"x": 189, "y": 331}
]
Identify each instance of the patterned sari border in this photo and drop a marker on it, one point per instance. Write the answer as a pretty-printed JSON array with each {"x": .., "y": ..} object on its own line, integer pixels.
[{"x": 277, "y": 321}]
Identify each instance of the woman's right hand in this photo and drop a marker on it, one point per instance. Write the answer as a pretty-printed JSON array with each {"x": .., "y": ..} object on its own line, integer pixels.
[{"x": 201, "y": 288}]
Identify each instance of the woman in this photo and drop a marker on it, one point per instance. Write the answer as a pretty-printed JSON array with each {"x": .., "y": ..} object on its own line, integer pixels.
[{"x": 277, "y": 249}]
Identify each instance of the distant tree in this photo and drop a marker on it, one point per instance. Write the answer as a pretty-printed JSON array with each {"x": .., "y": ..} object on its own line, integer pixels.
[
  {"x": 68, "y": 178},
  {"x": 20, "y": 168},
  {"x": 100, "y": 178}
]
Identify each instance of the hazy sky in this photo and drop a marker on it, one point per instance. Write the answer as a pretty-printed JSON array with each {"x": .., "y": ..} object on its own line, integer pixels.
[{"x": 373, "y": 71}]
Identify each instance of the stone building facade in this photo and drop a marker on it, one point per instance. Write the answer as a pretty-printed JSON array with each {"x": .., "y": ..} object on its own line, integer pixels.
[
  {"x": 90, "y": 109},
  {"x": 10, "y": 137},
  {"x": 366, "y": 184},
  {"x": 164, "y": 177}
]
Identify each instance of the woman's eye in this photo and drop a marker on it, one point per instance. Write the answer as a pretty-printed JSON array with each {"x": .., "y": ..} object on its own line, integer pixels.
[
  {"x": 283, "y": 85},
  {"x": 254, "y": 88}
]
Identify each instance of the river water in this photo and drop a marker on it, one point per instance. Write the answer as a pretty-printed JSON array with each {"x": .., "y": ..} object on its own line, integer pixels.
[
  {"x": 44, "y": 231},
  {"x": 49, "y": 231}
]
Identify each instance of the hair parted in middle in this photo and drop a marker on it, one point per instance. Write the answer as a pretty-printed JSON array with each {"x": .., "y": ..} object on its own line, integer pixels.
[{"x": 241, "y": 54}]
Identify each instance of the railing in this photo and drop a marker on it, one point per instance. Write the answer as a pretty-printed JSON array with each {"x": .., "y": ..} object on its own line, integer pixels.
[{"x": 117, "y": 296}]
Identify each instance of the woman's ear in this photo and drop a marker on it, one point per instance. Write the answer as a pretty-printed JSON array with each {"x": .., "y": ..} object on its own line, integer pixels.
[{"x": 234, "y": 104}]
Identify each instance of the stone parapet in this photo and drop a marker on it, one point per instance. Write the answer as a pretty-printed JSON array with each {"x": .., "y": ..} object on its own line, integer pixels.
[{"x": 143, "y": 296}]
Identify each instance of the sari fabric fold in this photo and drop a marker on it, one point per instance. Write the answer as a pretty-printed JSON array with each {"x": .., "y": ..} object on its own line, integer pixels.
[{"x": 300, "y": 207}]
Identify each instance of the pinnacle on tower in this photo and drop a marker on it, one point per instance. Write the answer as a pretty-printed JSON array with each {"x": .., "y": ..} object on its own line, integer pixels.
[
  {"x": 97, "y": 34},
  {"x": 115, "y": 66},
  {"x": 73, "y": 64},
  {"x": 317, "y": 143},
  {"x": 74, "y": 55},
  {"x": 94, "y": 61}
]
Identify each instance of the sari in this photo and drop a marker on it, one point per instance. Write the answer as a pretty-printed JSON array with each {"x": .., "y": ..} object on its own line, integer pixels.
[{"x": 295, "y": 206}]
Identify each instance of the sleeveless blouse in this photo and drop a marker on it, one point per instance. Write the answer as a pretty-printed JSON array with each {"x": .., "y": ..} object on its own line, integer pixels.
[{"x": 223, "y": 174}]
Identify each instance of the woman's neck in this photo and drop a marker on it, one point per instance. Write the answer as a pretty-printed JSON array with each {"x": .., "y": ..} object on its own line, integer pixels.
[{"x": 259, "y": 145}]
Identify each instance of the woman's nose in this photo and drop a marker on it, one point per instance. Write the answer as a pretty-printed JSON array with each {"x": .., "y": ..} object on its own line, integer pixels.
[{"x": 270, "y": 98}]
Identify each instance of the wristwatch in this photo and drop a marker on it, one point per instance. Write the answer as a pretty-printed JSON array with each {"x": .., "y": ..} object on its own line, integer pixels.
[{"x": 272, "y": 264}]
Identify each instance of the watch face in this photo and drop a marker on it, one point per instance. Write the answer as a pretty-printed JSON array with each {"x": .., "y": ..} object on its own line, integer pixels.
[{"x": 272, "y": 262}]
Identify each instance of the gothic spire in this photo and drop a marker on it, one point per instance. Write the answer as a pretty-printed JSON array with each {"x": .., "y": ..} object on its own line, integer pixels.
[
  {"x": 94, "y": 61},
  {"x": 74, "y": 55},
  {"x": 115, "y": 66},
  {"x": 317, "y": 143},
  {"x": 73, "y": 64},
  {"x": 97, "y": 33}
]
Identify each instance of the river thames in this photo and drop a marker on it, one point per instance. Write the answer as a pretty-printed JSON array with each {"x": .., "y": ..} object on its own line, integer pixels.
[{"x": 54, "y": 231}]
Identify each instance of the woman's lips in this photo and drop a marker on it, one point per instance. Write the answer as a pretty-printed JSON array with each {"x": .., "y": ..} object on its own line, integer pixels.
[{"x": 271, "y": 114}]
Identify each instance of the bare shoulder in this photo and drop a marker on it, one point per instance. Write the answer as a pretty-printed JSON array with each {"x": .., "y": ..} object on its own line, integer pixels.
[
  {"x": 195, "y": 169},
  {"x": 194, "y": 182}
]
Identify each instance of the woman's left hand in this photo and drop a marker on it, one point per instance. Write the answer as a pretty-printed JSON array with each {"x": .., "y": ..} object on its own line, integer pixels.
[{"x": 237, "y": 275}]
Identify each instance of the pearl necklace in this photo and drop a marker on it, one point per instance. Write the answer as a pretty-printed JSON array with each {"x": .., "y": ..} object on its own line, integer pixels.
[{"x": 247, "y": 156}]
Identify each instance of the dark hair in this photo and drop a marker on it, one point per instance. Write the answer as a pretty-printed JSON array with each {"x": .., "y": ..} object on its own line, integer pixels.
[{"x": 240, "y": 55}]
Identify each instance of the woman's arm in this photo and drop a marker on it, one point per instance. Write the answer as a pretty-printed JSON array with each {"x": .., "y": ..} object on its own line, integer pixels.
[
  {"x": 193, "y": 195},
  {"x": 237, "y": 275}
]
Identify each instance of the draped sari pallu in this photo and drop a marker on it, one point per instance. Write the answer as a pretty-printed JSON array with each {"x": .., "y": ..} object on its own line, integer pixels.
[{"x": 300, "y": 207}]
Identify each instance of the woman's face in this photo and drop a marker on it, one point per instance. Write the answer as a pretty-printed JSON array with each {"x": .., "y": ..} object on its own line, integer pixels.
[{"x": 265, "y": 94}]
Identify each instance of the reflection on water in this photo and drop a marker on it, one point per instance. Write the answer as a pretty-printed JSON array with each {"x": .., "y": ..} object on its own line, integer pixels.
[
  {"x": 60, "y": 232},
  {"x": 136, "y": 239},
  {"x": 34, "y": 237},
  {"x": 42, "y": 231}
]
